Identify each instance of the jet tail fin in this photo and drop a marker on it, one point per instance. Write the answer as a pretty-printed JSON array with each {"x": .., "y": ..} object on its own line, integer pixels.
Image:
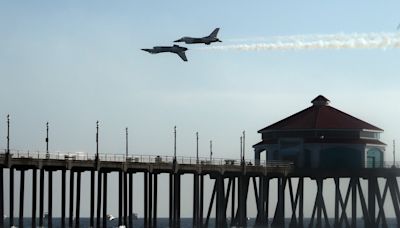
[
  {"x": 214, "y": 33},
  {"x": 182, "y": 55}
]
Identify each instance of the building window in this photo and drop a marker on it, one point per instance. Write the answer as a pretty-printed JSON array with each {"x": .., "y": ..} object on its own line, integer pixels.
[{"x": 369, "y": 135}]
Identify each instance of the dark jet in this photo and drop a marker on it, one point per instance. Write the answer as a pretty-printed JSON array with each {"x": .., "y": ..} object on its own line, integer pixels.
[
  {"x": 204, "y": 40},
  {"x": 173, "y": 49}
]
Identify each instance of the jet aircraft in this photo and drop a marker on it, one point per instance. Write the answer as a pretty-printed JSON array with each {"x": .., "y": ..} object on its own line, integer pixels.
[
  {"x": 173, "y": 49},
  {"x": 205, "y": 40}
]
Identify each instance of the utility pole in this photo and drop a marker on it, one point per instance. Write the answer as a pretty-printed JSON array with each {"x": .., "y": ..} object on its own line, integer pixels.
[
  {"x": 97, "y": 140},
  {"x": 8, "y": 134},
  {"x": 394, "y": 153},
  {"x": 174, "y": 144},
  {"x": 211, "y": 153},
  {"x": 197, "y": 147},
  {"x": 47, "y": 141},
  {"x": 241, "y": 148},
  {"x": 126, "y": 141},
  {"x": 244, "y": 137}
]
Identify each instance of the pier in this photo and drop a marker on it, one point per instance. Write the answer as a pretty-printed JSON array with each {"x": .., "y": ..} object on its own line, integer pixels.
[{"x": 232, "y": 180}]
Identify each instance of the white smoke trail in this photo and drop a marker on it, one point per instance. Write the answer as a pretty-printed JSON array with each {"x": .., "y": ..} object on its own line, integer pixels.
[{"x": 329, "y": 41}]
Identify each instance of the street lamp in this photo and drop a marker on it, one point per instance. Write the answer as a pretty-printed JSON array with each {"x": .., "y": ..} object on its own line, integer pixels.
[
  {"x": 126, "y": 140},
  {"x": 97, "y": 140},
  {"x": 8, "y": 134},
  {"x": 174, "y": 144},
  {"x": 244, "y": 136},
  {"x": 197, "y": 147},
  {"x": 47, "y": 140},
  {"x": 394, "y": 153},
  {"x": 211, "y": 153}
]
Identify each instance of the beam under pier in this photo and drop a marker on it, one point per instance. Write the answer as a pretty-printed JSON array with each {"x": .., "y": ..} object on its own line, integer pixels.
[
  {"x": 105, "y": 199},
  {"x": 11, "y": 197},
  {"x": 98, "y": 204},
  {"x": 78, "y": 199},
  {"x": 34, "y": 193},
  {"x": 1, "y": 198},
  {"x": 41, "y": 197},
  {"x": 21, "y": 198},
  {"x": 50, "y": 200}
]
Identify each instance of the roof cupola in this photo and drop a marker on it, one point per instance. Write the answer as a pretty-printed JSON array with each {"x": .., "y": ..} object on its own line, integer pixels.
[{"x": 320, "y": 101}]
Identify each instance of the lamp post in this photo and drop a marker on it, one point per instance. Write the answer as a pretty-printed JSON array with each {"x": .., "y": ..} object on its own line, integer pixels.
[
  {"x": 97, "y": 140},
  {"x": 211, "y": 153},
  {"x": 47, "y": 141},
  {"x": 126, "y": 141},
  {"x": 394, "y": 153},
  {"x": 174, "y": 144},
  {"x": 244, "y": 136},
  {"x": 8, "y": 134},
  {"x": 241, "y": 148},
  {"x": 197, "y": 147}
]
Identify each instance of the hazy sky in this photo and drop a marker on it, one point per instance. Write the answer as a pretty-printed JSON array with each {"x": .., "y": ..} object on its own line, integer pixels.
[{"x": 72, "y": 63}]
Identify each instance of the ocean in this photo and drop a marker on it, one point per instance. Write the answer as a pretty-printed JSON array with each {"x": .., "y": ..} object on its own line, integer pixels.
[{"x": 185, "y": 223}]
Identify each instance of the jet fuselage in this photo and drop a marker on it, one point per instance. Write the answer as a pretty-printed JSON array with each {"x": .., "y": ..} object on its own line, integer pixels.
[{"x": 173, "y": 49}]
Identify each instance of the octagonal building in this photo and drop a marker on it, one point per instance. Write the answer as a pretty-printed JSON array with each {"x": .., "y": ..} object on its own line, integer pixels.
[{"x": 322, "y": 137}]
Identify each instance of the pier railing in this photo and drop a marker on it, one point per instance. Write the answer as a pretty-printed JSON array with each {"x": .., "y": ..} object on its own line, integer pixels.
[{"x": 81, "y": 156}]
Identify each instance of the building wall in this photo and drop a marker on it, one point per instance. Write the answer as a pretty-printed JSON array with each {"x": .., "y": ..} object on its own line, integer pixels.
[
  {"x": 374, "y": 156},
  {"x": 321, "y": 155}
]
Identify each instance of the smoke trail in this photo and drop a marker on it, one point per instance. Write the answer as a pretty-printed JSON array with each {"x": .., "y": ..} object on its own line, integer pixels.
[{"x": 313, "y": 42}]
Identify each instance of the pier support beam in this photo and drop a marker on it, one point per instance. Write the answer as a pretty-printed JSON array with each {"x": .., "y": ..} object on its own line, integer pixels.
[
  {"x": 171, "y": 200},
  {"x": 34, "y": 193},
  {"x": 105, "y": 199},
  {"x": 155, "y": 200},
  {"x": 11, "y": 196},
  {"x": 150, "y": 199},
  {"x": 178, "y": 200},
  {"x": 220, "y": 205},
  {"x": 125, "y": 199},
  {"x": 130, "y": 200},
  {"x": 201, "y": 206},
  {"x": 41, "y": 197},
  {"x": 279, "y": 217},
  {"x": 146, "y": 199},
  {"x": 92, "y": 198},
  {"x": 21, "y": 198},
  {"x": 372, "y": 182},
  {"x": 319, "y": 207},
  {"x": 395, "y": 194},
  {"x": 196, "y": 195},
  {"x": 243, "y": 188},
  {"x": 175, "y": 202},
  {"x": 71, "y": 199},
  {"x": 78, "y": 199},
  {"x": 63, "y": 186},
  {"x": 1, "y": 198},
  {"x": 120, "y": 197},
  {"x": 297, "y": 203},
  {"x": 50, "y": 200},
  {"x": 233, "y": 200},
  {"x": 262, "y": 213},
  {"x": 98, "y": 204},
  {"x": 353, "y": 184}
]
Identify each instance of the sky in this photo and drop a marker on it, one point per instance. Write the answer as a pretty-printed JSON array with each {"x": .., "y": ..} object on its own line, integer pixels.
[{"x": 73, "y": 63}]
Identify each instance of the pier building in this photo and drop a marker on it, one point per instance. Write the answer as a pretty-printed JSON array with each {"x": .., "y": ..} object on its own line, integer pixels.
[{"x": 322, "y": 136}]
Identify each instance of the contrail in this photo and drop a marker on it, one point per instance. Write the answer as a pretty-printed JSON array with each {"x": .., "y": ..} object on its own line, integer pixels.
[{"x": 314, "y": 42}]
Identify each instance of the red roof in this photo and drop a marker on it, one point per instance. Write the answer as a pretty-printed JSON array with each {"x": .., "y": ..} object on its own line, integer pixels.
[
  {"x": 320, "y": 116},
  {"x": 328, "y": 140}
]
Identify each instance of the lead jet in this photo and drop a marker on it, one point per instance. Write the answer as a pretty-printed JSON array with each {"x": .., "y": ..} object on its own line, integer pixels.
[
  {"x": 204, "y": 40},
  {"x": 173, "y": 49}
]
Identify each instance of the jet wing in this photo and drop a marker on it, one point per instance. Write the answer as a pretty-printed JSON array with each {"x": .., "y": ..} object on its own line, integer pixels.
[{"x": 182, "y": 55}]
